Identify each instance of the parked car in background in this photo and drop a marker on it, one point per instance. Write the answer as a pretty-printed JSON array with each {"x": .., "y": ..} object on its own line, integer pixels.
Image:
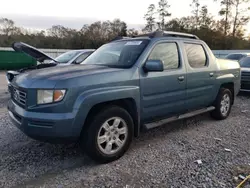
[
  {"x": 237, "y": 56},
  {"x": 124, "y": 87},
  {"x": 245, "y": 73},
  {"x": 67, "y": 58}
]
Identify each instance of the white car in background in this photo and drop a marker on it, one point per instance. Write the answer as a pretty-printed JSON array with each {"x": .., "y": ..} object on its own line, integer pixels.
[
  {"x": 67, "y": 58},
  {"x": 237, "y": 56}
]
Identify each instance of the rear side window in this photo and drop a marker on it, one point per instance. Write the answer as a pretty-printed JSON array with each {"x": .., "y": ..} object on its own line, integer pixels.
[
  {"x": 196, "y": 55},
  {"x": 167, "y": 53}
]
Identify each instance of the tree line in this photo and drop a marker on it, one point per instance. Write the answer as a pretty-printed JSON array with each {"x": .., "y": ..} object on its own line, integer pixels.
[
  {"x": 60, "y": 37},
  {"x": 227, "y": 32}
]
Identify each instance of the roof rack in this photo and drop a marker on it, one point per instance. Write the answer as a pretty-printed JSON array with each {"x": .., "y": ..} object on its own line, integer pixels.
[{"x": 168, "y": 34}]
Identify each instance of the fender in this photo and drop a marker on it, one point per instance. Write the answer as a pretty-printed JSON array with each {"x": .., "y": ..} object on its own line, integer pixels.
[
  {"x": 92, "y": 97},
  {"x": 230, "y": 78}
]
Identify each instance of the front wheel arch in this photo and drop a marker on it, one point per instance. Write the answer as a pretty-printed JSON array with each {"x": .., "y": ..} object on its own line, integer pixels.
[{"x": 128, "y": 104}]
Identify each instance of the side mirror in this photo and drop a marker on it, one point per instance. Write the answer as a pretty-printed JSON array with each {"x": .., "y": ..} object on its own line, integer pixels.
[{"x": 154, "y": 66}]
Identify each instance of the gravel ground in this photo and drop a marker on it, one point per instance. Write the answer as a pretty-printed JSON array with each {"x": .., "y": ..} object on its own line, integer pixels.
[{"x": 162, "y": 157}]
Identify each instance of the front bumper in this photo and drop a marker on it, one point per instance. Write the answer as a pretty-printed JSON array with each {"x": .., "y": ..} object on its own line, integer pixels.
[{"x": 48, "y": 127}]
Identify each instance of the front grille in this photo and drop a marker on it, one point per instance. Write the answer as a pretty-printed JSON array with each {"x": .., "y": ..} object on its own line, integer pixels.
[
  {"x": 245, "y": 85},
  {"x": 245, "y": 76},
  {"x": 19, "y": 96}
]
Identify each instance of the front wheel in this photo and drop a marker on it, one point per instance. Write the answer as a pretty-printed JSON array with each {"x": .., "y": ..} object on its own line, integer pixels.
[
  {"x": 223, "y": 104},
  {"x": 109, "y": 134}
]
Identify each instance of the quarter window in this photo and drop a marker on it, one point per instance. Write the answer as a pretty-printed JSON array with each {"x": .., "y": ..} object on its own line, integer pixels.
[
  {"x": 167, "y": 53},
  {"x": 196, "y": 55},
  {"x": 82, "y": 57}
]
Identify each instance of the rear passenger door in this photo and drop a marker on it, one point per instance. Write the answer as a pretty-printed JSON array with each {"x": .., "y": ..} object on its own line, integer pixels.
[
  {"x": 163, "y": 94},
  {"x": 200, "y": 76}
]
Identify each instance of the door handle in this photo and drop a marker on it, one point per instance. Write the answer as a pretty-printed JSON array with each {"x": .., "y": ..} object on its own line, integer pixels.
[
  {"x": 211, "y": 74},
  {"x": 181, "y": 78}
]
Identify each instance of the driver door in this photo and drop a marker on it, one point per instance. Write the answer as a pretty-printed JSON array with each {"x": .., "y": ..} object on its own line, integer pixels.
[{"x": 163, "y": 94}]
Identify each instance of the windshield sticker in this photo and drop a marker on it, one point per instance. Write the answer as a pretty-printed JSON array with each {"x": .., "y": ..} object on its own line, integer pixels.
[{"x": 133, "y": 43}]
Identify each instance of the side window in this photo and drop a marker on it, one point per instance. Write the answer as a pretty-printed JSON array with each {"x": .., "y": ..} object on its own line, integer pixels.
[
  {"x": 168, "y": 53},
  {"x": 196, "y": 55},
  {"x": 82, "y": 57}
]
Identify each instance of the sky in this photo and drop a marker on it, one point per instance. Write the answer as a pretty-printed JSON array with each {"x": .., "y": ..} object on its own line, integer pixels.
[{"x": 74, "y": 13}]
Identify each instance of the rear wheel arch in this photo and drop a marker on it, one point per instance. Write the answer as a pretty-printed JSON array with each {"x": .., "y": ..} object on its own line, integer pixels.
[
  {"x": 222, "y": 104},
  {"x": 230, "y": 86}
]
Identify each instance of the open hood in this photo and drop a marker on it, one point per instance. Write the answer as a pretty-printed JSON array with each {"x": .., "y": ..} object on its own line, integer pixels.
[{"x": 31, "y": 51}]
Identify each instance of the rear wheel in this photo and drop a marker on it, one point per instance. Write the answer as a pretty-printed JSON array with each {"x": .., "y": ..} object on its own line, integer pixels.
[
  {"x": 109, "y": 134},
  {"x": 223, "y": 104}
]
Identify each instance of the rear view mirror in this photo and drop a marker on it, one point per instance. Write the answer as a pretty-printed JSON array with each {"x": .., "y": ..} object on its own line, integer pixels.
[{"x": 154, "y": 66}]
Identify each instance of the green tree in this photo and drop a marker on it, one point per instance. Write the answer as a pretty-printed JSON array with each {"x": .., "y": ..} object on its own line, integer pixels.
[
  {"x": 175, "y": 25},
  {"x": 150, "y": 19},
  {"x": 226, "y": 12},
  {"x": 163, "y": 11},
  {"x": 99, "y": 33},
  {"x": 241, "y": 17},
  {"x": 205, "y": 19},
  {"x": 7, "y": 27},
  {"x": 132, "y": 32},
  {"x": 118, "y": 27},
  {"x": 96, "y": 34},
  {"x": 196, "y": 9}
]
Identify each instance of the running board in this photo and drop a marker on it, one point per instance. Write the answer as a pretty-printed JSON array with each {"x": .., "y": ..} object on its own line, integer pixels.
[
  {"x": 245, "y": 90},
  {"x": 175, "y": 118}
]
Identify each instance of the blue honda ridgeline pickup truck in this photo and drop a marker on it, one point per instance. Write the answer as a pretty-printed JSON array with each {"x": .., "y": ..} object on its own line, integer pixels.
[{"x": 124, "y": 87}]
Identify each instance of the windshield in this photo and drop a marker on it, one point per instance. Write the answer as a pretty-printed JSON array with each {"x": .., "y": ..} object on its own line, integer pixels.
[
  {"x": 66, "y": 57},
  {"x": 245, "y": 62},
  {"x": 121, "y": 54},
  {"x": 236, "y": 57}
]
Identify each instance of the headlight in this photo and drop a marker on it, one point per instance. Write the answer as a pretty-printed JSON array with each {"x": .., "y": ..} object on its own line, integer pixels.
[
  {"x": 50, "y": 96},
  {"x": 7, "y": 79}
]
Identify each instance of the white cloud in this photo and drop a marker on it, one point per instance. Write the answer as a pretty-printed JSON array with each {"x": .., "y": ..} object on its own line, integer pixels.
[
  {"x": 131, "y": 11},
  {"x": 75, "y": 13}
]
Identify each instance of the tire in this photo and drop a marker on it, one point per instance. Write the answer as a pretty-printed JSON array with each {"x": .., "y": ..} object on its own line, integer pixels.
[
  {"x": 106, "y": 148},
  {"x": 224, "y": 99}
]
